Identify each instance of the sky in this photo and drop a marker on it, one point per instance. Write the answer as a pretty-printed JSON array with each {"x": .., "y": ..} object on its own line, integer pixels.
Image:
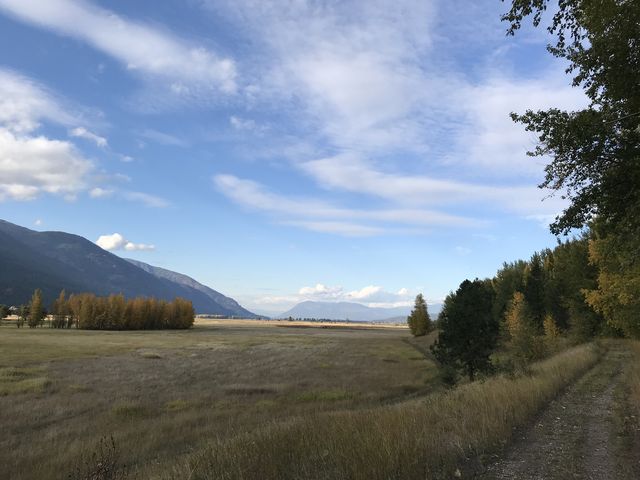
[{"x": 281, "y": 151}]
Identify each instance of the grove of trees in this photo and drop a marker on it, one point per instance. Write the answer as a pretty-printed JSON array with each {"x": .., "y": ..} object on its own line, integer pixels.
[
  {"x": 588, "y": 286},
  {"x": 90, "y": 312},
  {"x": 525, "y": 308}
]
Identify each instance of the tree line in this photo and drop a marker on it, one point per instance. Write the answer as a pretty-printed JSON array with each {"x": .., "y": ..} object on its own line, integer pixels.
[
  {"x": 589, "y": 286},
  {"x": 115, "y": 312},
  {"x": 521, "y": 314}
]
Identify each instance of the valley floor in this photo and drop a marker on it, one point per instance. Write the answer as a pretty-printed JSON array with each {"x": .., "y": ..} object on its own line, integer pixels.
[
  {"x": 164, "y": 394},
  {"x": 250, "y": 394}
]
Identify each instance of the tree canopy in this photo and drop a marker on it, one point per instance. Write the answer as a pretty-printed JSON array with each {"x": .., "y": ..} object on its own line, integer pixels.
[
  {"x": 595, "y": 151},
  {"x": 419, "y": 320},
  {"x": 468, "y": 329}
]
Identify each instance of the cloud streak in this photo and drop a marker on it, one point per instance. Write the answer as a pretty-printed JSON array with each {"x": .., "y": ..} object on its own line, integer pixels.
[
  {"x": 184, "y": 68},
  {"x": 370, "y": 295},
  {"x": 82, "y": 132},
  {"x": 321, "y": 216}
]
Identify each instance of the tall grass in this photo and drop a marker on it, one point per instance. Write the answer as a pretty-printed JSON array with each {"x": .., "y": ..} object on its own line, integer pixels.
[
  {"x": 634, "y": 383},
  {"x": 427, "y": 438}
]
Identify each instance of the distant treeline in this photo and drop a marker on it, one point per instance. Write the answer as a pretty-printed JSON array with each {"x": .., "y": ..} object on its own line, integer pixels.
[{"x": 115, "y": 312}]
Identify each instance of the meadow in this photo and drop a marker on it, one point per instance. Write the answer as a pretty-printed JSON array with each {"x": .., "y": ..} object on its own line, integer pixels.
[
  {"x": 263, "y": 400},
  {"x": 163, "y": 395}
]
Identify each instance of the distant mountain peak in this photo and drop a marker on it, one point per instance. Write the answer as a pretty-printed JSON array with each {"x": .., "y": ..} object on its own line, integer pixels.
[{"x": 351, "y": 311}]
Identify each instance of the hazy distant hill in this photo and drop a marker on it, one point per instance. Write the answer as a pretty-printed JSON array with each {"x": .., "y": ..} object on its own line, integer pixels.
[
  {"x": 53, "y": 261},
  {"x": 344, "y": 311},
  {"x": 352, "y": 311}
]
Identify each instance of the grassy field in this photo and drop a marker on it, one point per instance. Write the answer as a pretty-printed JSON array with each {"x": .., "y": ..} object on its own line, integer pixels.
[
  {"x": 263, "y": 400},
  {"x": 164, "y": 396}
]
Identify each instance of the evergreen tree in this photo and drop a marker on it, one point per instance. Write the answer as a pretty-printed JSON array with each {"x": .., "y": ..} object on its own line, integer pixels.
[
  {"x": 4, "y": 312},
  {"x": 419, "y": 320},
  {"x": 534, "y": 290},
  {"x": 36, "y": 312},
  {"x": 468, "y": 329}
]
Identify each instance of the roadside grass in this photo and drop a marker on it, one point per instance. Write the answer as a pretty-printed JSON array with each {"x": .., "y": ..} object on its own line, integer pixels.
[
  {"x": 627, "y": 412},
  {"x": 634, "y": 381},
  {"x": 427, "y": 438}
]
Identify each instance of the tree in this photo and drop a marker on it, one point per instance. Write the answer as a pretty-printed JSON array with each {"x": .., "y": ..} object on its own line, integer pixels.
[
  {"x": 617, "y": 296},
  {"x": 60, "y": 311},
  {"x": 4, "y": 312},
  {"x": 508, "y": 280},
  {"x": 419, "y": 320},
  {"x": 36, "y": 312},
  {"x": 534, "y": 282},
  {"x": 595, "y": 151},
  {"x": 522, "y": 327},
  {"x": 23, "y": 315},
  {"x": 551, "y": 330},
  {"x": 468, "y": 329}
]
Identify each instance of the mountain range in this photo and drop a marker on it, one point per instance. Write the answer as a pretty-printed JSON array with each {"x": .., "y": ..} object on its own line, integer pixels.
[
  {"x": 53, "y": 261},
  {"x": 352, "y": 311}
]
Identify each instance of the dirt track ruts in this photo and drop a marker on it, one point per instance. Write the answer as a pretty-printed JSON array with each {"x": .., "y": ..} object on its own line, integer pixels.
[{"x": 576, "y": 436}]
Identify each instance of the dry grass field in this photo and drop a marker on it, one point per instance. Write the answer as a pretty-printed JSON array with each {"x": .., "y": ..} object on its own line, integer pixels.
[
  {"x": 265, "y": 400},
  {"x": 163, "y": 395}
]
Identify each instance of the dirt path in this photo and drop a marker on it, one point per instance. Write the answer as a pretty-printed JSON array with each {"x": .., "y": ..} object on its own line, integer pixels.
[{"x": 576, "y": 437}]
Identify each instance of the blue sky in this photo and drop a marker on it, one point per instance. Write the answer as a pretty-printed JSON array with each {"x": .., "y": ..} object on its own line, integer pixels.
[{"x": 280, "y": 151}]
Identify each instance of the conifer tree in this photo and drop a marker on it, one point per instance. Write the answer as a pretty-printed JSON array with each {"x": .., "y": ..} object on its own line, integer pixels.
[
  {"x": 419, "y": 320},
  {"x": 468, "y": 329}
]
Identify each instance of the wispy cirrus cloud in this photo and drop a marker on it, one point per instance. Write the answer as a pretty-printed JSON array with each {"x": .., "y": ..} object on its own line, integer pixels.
[
  {"x": 183, "y": 68},
  {"x": 146, "y": 199},
  {"x": 386, "y": 115},
  {"x": 162, "y": 138},
  {"x": 339, "y": 172},
  {"x": 322, "y": 216},
  {"x": 82, "y": 132}
]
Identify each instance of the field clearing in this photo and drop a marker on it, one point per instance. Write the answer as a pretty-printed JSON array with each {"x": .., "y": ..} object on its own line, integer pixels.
[{"x": 165, "y": 394}]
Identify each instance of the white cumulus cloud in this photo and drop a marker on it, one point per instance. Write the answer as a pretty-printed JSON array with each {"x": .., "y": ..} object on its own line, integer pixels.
[
  {"x": 116, "y": 241},
  {"x": 32, "y": 165}
]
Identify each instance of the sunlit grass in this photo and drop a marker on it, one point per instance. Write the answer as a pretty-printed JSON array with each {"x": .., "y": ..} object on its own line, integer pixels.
[{"x": 426, "y": 438}]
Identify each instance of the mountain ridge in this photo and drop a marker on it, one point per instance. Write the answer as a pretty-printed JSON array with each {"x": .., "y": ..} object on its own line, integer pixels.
[{"x": 53, "y": 261}]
